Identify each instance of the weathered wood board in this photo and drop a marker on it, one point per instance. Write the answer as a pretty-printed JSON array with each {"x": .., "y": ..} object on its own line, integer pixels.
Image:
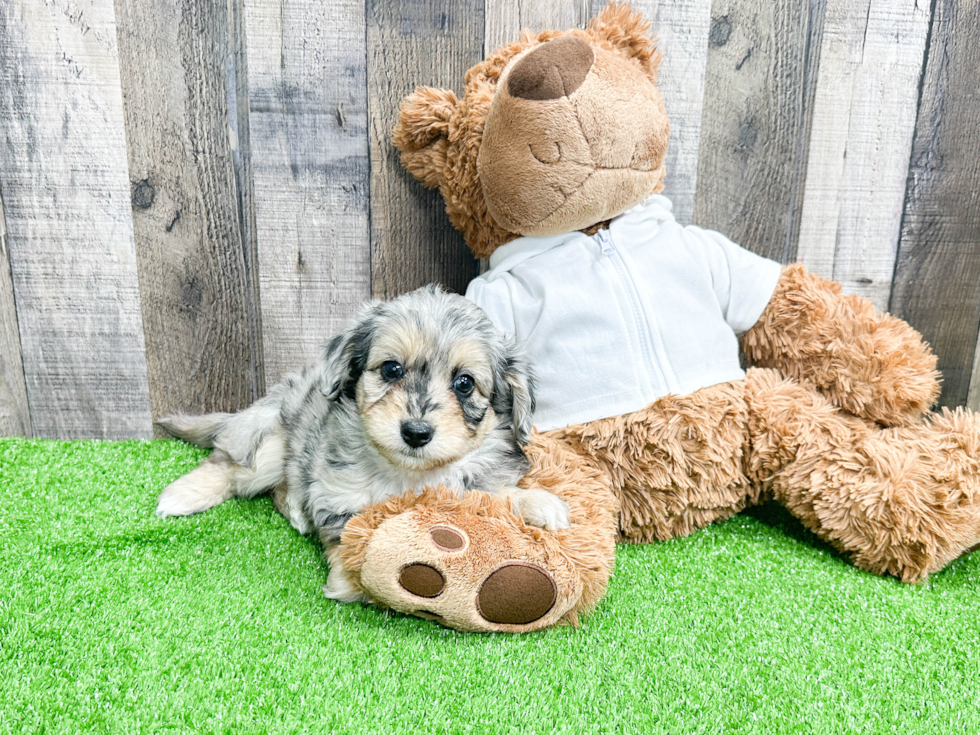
[
  {"x": 937, "y": 276},
  {"x": 505, "y": 19},
  {"x": 70, "y": 234},
  {"x": 198, "y": 285},
  {"x": 307, "y": 93},
  {"x": 863, "y": 119},
  {"x": 758, "y": 102},
  {"x": 430, "y": 42},
  {"x": 15, "y": 415},
  {"x": 681, "y": 28}
]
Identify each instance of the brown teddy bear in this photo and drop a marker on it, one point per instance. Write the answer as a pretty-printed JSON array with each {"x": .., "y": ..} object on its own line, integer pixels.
[{"x": 550, "y": 165}]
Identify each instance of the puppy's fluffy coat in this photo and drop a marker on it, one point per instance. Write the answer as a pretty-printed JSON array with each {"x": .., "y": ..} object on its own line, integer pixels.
[{"x": 421, "y": 390}]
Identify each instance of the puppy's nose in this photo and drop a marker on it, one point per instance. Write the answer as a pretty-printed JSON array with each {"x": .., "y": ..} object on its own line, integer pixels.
[
  {"x": 554, "y": 69},
  {"x": 417, "y": 433}
]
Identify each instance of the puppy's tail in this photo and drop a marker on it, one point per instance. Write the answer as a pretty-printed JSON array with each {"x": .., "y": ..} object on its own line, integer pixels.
[{"x": 200, "y": 430}]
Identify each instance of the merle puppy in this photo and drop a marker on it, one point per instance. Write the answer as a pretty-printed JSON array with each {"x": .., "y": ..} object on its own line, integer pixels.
[{"x": 420, "y": 390}]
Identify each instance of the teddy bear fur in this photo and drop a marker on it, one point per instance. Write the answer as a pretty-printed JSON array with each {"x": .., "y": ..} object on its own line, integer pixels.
[{"x": 830, "y": 422}]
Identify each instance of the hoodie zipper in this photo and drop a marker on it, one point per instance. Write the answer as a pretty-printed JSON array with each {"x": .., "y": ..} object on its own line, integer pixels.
[{"x": 642, "y": 324}]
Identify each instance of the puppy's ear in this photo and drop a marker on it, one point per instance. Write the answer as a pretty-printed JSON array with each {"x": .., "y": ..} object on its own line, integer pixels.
[
  {"x": 627, "y": 30},
  {"x": 513, "y": 391},
  {"x": 422, "y": 133},
  {"x": 345, "y": 358}
]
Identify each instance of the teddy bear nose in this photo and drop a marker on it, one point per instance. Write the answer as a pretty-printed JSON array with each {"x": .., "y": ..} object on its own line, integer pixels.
[{"x": 554, "y": 69}]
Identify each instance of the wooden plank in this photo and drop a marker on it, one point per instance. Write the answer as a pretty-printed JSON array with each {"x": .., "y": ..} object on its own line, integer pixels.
[
  {"x": 505, "y": 19},
  {"x": 681, "y": 28},
  {"x": 937, "y": 276},
  {"x": 198, "y": 281},
  {"x": 309, "y": 156},
  {"x": 428, "y": 42},
  {"x": 863, "y": 119},
  {"x": 758, "y": 103},
  {"x": 973, "y": 397},
  {"x": 70, "y": 233},
  {"x": 15, "y": 416}
]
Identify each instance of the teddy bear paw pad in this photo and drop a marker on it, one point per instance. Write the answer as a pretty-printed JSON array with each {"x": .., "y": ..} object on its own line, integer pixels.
[
  {"x": 447, "y": 538},
  {"x": 422, "y": 580},
  {"x": 516, "y": 594}
]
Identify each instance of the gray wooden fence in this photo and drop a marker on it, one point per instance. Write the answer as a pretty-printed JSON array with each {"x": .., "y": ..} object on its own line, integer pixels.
[{"x": 196, "y": 193}]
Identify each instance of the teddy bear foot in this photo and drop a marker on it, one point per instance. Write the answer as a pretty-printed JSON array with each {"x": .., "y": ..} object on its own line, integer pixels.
[
  {"x": 469, "y": 573},
  {"x": 468, "y": 563}
]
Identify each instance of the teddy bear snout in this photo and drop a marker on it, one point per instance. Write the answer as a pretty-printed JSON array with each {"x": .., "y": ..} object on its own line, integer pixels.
[{"x": 554, "y": 69}]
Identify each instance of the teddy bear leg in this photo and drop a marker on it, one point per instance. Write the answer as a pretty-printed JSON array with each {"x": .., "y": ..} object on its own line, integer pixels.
[
  {"x": 900, "y": 501},
  {"x": 676, "y": 465}
]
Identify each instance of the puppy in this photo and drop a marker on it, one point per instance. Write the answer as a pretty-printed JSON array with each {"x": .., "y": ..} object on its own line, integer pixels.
[{"x": 421, "y": 390}]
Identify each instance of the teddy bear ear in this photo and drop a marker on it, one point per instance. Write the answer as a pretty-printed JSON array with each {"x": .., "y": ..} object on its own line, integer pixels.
[
  {"x": 422, "y": 133},
  {"x": 629, "y": 32}
]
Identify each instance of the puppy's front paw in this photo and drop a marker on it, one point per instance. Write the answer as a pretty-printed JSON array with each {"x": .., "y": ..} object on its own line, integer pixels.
[
  {"x": 540, "y": 508},
  {"x": 338, "y": 586},
  {"x": 340, "y": 589}
]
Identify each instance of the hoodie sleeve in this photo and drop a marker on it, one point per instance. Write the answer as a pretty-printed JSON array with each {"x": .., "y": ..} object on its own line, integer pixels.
[
  {"x": 743, "y": 282},
  {"x": 495, "y": 299}
]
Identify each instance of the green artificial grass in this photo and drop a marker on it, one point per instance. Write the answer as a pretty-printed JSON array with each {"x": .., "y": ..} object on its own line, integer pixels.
[{"x": 114, "y": 621}]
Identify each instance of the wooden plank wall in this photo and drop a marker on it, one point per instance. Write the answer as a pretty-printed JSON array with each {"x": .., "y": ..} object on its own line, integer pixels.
[{"x": 196, "y": 195}]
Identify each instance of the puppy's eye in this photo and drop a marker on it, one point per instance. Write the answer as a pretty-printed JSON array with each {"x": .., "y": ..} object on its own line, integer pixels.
[
  {"x": 463, "y": 384},
  {"x": 392, "y": 371}
]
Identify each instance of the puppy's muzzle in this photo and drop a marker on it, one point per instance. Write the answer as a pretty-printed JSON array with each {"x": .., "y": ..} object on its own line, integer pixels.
[{"x": 417, "y": 433}]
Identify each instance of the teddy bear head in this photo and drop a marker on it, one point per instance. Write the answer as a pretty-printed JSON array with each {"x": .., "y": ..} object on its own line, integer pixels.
[{"x": 559, "y": 131}]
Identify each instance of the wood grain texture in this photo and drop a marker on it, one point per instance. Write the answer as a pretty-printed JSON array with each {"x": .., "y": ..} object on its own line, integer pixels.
[
  {"x": 937, "y": 276},
  {"x": 70, "y": 233},
  {"x": 15, "y": 415},
  {"x": 307, "y": 94},
  {"x": 428, "y": 42},
  {"x": 758, "y": 102},
  {"x": 505, "y": 19},
  {"x": 863, "y": 120},
  {"x": 198, "y": 297},
  {"x": 681, "y": 28}
]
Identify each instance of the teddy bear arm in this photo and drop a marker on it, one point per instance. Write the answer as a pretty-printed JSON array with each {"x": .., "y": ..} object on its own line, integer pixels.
[{"x": 872, "y": 365}]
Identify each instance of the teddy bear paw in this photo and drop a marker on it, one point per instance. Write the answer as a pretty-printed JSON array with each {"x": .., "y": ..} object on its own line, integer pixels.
[{"x": 473, "y": 573}]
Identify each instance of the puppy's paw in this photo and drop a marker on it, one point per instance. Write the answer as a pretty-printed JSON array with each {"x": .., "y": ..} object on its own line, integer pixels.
[
  {"x": 339, "y": 588},
  {"x": 540, "y": 508}
]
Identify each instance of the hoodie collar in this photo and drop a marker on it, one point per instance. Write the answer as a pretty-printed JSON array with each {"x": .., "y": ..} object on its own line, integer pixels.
[{"x": 509, "y": 256}]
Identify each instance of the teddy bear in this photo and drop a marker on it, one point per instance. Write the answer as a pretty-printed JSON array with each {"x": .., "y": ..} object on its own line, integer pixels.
[{"x": 551, "y": 164}]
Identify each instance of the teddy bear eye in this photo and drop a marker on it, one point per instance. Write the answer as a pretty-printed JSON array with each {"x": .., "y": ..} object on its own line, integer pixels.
[
  {"x": 463, "y": 384},
  {"x": 392, "y": 371},
  {"x": 546, "y": 152}
]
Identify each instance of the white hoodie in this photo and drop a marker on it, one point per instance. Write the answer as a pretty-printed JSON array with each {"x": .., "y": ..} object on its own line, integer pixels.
[{"x": 615, "y": 321}]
